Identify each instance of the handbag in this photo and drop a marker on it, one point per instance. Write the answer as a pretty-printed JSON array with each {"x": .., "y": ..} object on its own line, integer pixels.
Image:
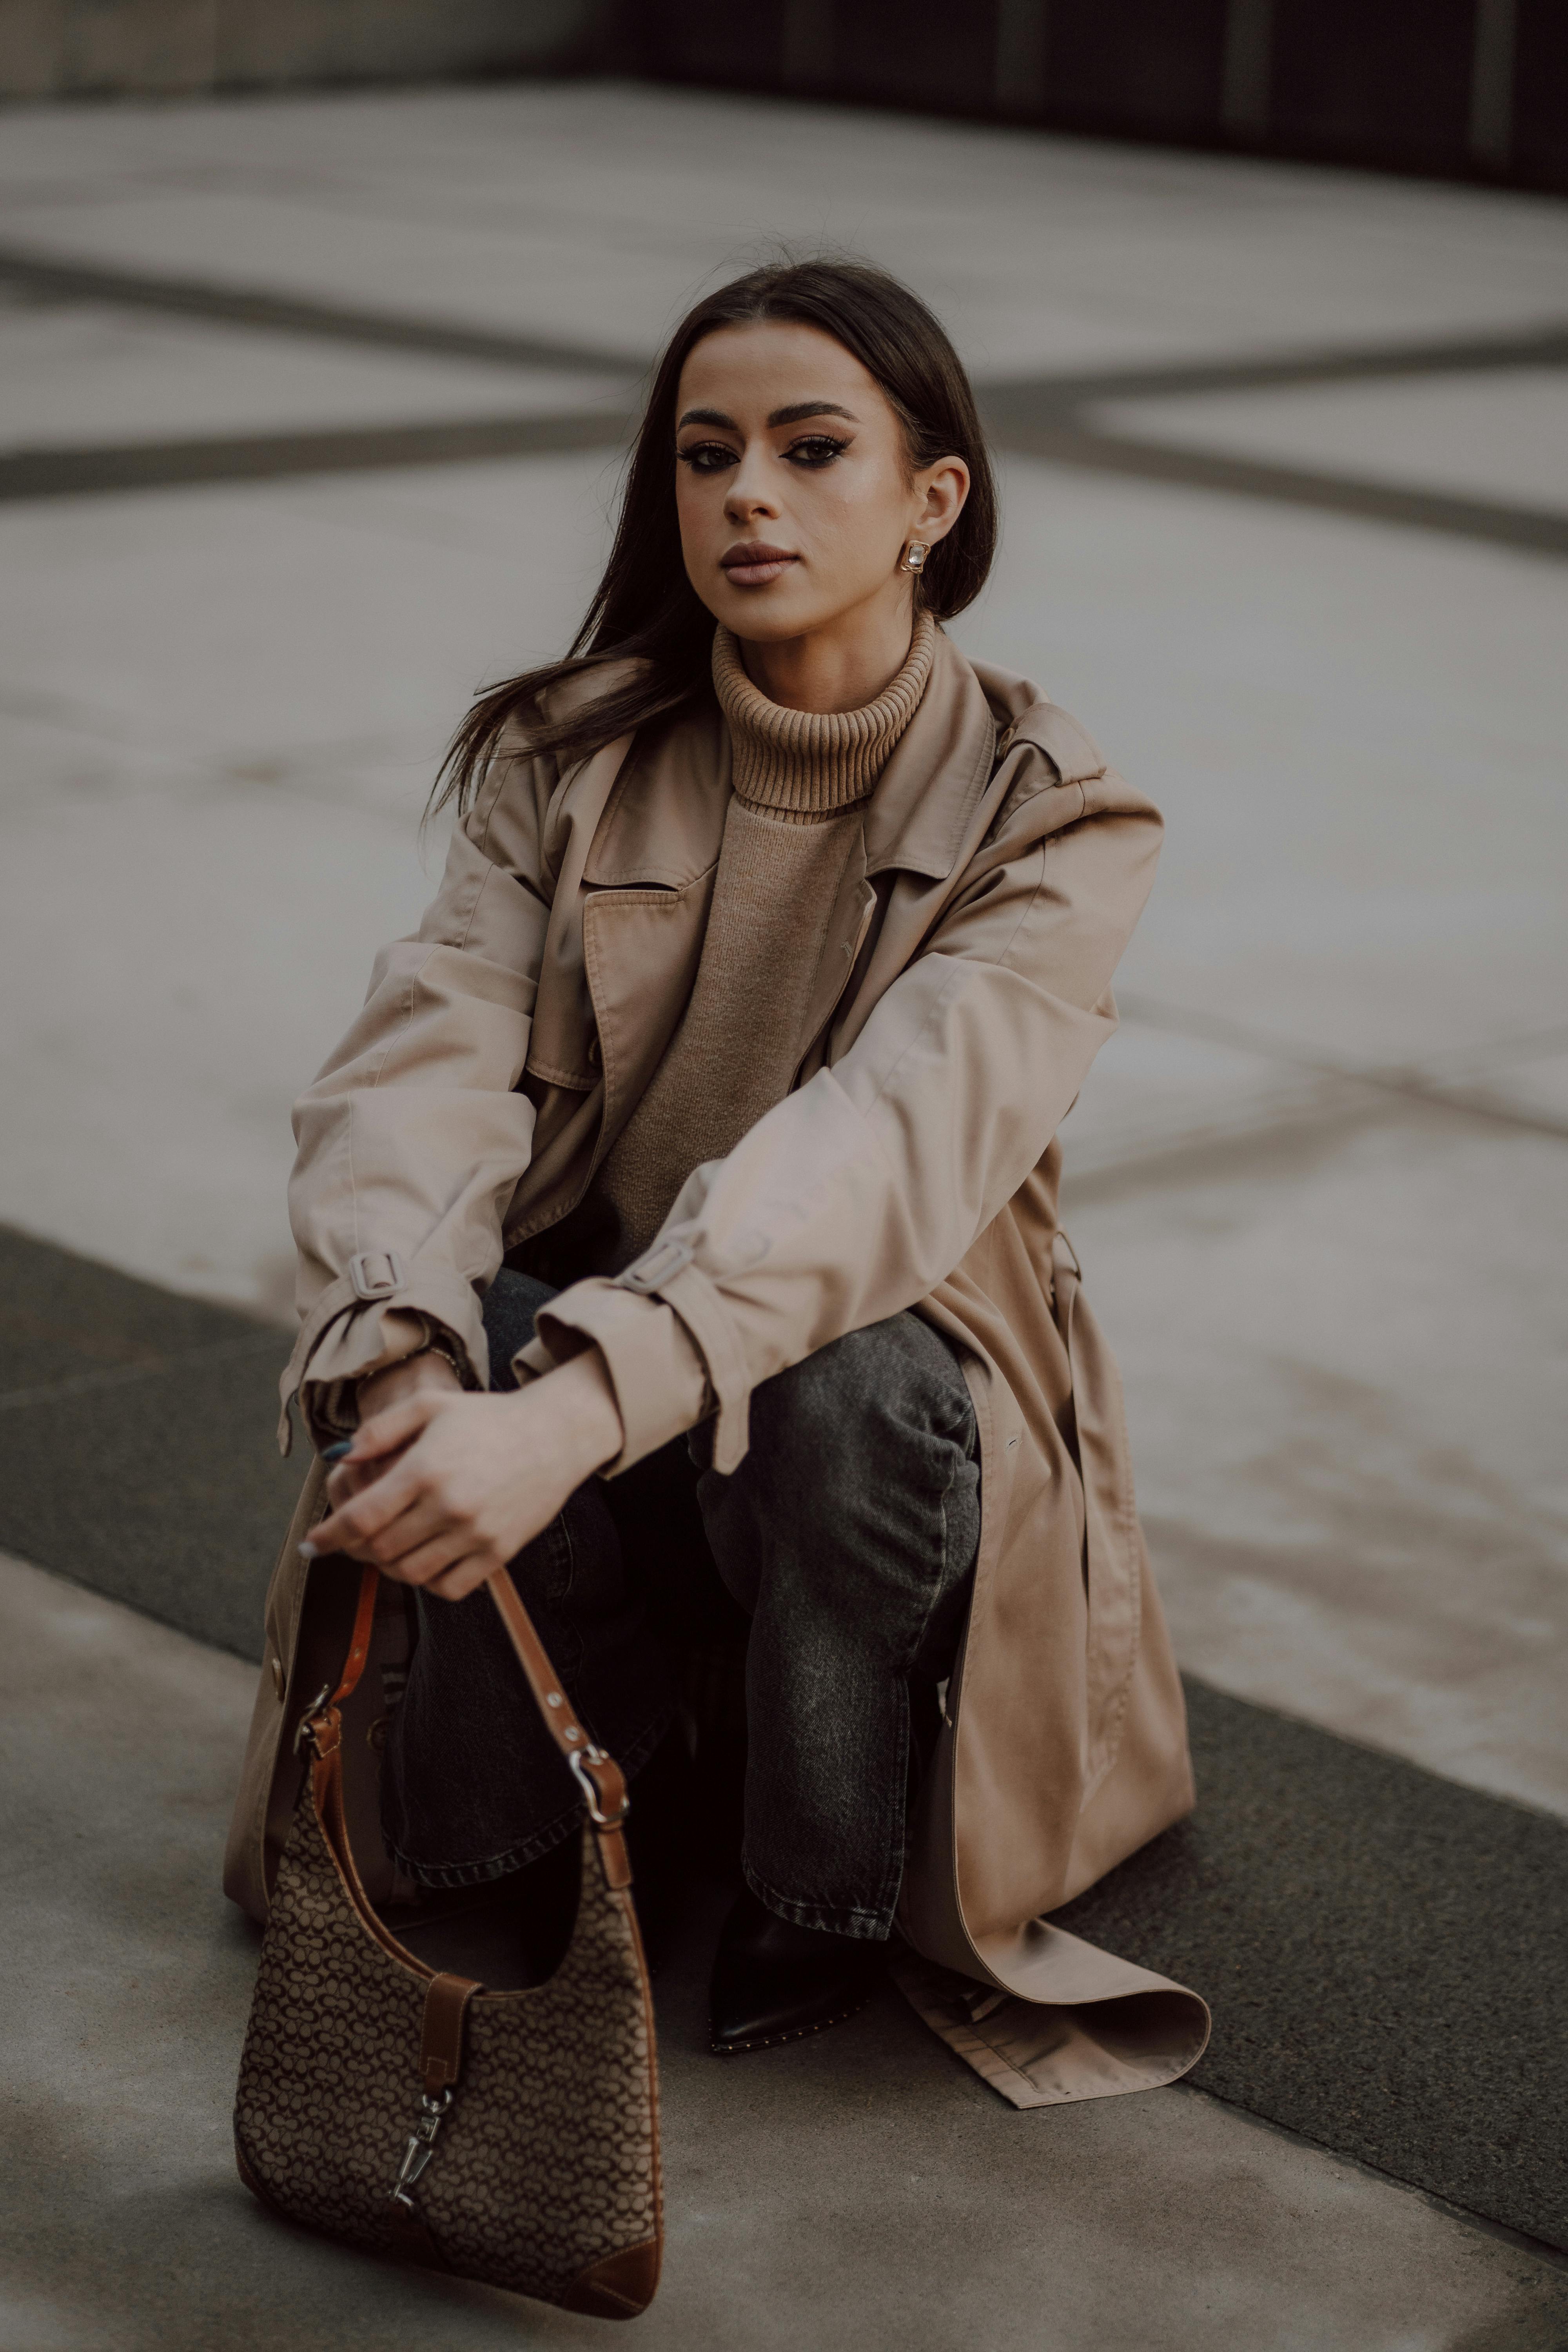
[{"x": 509, "y": 2136}]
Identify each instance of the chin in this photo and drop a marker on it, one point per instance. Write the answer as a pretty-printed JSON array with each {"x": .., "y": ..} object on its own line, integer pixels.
[{"x": 763, "y": 616}]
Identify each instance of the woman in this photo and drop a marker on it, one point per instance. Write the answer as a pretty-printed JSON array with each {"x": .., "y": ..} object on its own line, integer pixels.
[{"x": 678, "y": 1221}]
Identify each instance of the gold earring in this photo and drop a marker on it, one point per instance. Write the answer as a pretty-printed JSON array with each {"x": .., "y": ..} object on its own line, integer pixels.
[{"x": 915, "y": 556}]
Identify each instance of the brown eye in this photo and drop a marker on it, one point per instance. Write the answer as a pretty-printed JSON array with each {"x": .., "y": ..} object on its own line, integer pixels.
[
  {"x": 706, "y": 456},
  {"x": 815, "y": 449}
]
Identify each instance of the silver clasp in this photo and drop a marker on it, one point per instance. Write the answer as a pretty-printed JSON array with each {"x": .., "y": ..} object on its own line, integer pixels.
[
  {"x": 421, "y": 2147},
  {"x": 597, "y": 1815},
  {"x": 305, "y": 1730}
]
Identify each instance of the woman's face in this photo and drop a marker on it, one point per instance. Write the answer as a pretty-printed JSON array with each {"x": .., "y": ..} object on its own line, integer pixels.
[{"x": 792, "y": 483}]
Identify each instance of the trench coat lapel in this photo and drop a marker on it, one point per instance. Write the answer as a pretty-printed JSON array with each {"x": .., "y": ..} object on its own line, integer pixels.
[
  {"x": 648, "y": 875},
  {"x": 648, "y": 886}
]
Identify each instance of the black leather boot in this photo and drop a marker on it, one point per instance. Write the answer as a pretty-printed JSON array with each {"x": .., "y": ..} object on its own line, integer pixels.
[{"x": 773, "y": 1981}]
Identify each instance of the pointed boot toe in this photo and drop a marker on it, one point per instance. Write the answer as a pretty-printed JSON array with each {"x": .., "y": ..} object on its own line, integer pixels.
[{"x": 773, "y": 1981}]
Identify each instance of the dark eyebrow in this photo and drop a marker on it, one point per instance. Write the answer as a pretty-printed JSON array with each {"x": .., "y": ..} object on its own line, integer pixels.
[
  {"x": 800, "y": 409},
  {"x": 795, "y": 414}
]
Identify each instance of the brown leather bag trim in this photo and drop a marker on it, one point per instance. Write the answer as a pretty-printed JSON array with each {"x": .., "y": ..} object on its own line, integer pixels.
[
  {"x": 252, "y": 2180},
  {"x": 446, "y": 2000},
  {"x": 411, "y": 2238},
  {"x": 617, "y": 2286}
]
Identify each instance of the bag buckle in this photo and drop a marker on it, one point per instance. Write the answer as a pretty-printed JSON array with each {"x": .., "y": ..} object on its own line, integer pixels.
[
  {"x": 367, "y": 1284},
  {"x": 596, "y": 1813}
]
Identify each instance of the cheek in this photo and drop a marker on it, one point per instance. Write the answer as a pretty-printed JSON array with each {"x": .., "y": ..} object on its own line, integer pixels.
[
  {"x": 859, "y": 514},
  {"x": 687, "y": 508}
]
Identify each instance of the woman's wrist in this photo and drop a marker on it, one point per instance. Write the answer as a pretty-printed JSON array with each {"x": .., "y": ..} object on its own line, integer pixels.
[
  {"x": 580, "y": 1399},
  {"x": 428, "y": 1368}
]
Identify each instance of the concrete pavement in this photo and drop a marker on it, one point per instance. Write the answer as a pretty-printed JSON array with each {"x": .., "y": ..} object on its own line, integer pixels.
[
  {"x": 1316, "y": 1181},
  {"x": 861, "y": 2190}
]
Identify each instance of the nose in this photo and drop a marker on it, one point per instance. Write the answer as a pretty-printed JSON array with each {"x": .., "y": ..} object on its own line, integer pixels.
[{"x": 749, "y": 493}]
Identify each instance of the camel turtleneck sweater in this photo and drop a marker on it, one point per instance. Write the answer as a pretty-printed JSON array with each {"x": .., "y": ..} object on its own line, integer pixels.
[{"x": 800, "y": 779}]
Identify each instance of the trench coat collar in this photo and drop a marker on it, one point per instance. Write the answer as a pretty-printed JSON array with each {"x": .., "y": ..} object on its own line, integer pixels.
[
  {"x": 664, "y": 824},
  {"x": 940, "y": 765}
]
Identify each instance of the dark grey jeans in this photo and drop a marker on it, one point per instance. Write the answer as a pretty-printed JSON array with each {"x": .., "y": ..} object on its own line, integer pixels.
[{"x": 845, "y": 1541}]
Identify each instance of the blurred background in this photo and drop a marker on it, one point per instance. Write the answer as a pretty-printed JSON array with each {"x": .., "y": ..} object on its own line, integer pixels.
[
  {"x": 321, "y": 330},
  {"x": 1464, "y": 87}
]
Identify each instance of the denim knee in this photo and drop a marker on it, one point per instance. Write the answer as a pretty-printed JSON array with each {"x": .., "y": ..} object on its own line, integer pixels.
[
  {"x": 895, "y": 1384},
  {"x": 862, "y": 1479}
]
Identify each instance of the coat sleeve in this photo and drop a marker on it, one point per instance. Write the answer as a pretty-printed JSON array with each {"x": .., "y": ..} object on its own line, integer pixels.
[
  {"x": 412, "y": 1139},
  {"x": 857, "y": 1195}
]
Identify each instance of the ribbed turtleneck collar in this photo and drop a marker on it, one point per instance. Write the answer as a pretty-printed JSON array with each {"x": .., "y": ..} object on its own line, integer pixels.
[{"x": 813, "y": 764}]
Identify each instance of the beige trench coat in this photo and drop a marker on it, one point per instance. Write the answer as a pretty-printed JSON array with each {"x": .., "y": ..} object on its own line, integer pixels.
[{"x": 963, "y": 990}]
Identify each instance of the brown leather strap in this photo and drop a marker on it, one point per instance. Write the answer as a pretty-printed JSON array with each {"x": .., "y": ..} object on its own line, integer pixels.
[
  {"x": 599, "y": 1776},
  {"x": 446, "y": 2000},
  {"x": 358, "y": 1644},
  {"x": 603, "y": 1772}
]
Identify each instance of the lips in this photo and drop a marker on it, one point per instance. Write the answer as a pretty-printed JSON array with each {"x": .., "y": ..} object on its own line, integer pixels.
[{"x": 754, "y": 563}]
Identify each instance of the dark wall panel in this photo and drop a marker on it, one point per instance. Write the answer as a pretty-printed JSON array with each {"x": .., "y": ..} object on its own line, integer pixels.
[
  {"x": 917, "y": 52},
  {"x": 1407, "y": 85},
  {"x": 1149, "y": 66},
  {"x": 712, "y": 40},
  {"x": 1390, "y": 81},
  {"x": 1537, "y": 148}
]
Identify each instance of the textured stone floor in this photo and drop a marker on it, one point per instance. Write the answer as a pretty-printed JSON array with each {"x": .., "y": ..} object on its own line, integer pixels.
[
  {"x": 1316, "y": 1181},
  {"x": 861, "y": 2191}
]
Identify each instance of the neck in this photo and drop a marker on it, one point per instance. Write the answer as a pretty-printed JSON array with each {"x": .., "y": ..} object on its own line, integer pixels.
[{"x": 841, "y": 668}]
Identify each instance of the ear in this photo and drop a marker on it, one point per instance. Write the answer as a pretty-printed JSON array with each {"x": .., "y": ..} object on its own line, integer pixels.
[{"x": 940, "y": 492}]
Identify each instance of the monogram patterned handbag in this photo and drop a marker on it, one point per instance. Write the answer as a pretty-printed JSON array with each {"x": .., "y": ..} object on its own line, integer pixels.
[{"x": 507, "y": 2135}]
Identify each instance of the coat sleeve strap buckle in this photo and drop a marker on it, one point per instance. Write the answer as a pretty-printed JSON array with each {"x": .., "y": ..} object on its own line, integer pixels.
[
  {"x": 376, "y": 1274},
  {"x": 660, "y": 1264}
]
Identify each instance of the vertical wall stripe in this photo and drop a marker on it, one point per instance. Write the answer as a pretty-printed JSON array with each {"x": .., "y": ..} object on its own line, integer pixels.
[
  {"x": 1491, "y": 81},
  {"x": 808, "y": 42},
  {"x": 1247, "y": 72},
  {"x": 1023, "y": 32}
]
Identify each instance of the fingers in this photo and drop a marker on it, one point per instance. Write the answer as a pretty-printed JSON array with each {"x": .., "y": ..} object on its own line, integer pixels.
[
  {"x": 465, "y": 1576},
  {"x": 352, "y": 1524},
  {"x": 352, "y": 1477},
  {"x": 426, "y": 1562},
  {"x": 384, "y": 1433}
]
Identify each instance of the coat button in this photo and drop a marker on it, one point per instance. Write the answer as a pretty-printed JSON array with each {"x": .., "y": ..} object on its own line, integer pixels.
[
  {"x": 593, "y": 1054},
  {"x": 278, "y": 1678}
]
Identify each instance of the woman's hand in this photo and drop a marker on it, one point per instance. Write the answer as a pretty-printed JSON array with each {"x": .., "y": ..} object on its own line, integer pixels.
[{"x": 441, "y": 1489}]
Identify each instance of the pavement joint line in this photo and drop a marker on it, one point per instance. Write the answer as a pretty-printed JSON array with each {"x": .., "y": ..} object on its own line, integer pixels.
[
  {"x": 195, "y": 297},
  {"x": 1539, "y": 346},
  {"x": 125, "y": 1375},
  {"x": 1042, "y": 417},
  {"x": 1423, "y": 1083},
  {"x": 1538, "y": 531},
  {"x": 53, "y": 472},
  {"x": 56, "y": 472},
  {"x": 1527, "y": 347}
]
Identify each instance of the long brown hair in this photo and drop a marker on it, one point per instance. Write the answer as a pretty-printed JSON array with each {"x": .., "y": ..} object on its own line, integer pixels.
[{"x": 645, "y": 610}]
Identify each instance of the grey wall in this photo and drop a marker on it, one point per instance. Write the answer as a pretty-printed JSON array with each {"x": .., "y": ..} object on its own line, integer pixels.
[{"x": 68, "y": 48}]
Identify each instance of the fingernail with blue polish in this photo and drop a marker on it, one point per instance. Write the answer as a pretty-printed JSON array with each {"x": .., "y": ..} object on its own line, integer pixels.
[
  {"x": 336, "y": 1453},
  {"x": 308, "y": 1551}
]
